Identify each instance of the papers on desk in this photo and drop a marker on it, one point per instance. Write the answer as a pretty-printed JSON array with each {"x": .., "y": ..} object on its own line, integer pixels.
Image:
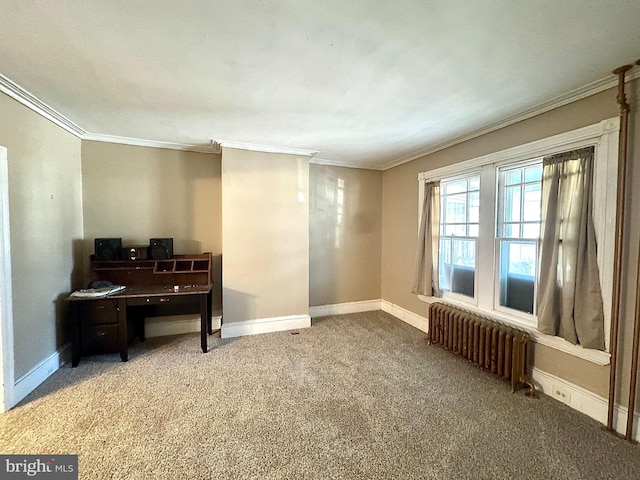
[{"x": 97, "y": 292}]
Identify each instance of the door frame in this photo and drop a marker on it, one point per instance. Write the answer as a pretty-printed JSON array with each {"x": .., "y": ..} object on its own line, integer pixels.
[{"x": 7, "y": 373}]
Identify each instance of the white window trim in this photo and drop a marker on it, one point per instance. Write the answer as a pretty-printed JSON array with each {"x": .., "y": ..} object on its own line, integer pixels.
[{"x": 604, "y": 136}]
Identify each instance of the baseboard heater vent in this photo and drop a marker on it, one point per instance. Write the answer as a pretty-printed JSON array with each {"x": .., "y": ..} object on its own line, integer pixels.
[{"x": 492, "y": 346}]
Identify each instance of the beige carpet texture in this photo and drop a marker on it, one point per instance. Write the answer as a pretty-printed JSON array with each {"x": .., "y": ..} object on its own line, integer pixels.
[{"x": 358, "y": 396}]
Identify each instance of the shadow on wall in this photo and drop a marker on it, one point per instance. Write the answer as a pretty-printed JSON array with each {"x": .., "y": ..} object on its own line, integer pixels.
[
  {"x": 63, "y": 320},
  {"x": 238, "y": 306},
  {"x": 216, "y": 274},
  {"x": 76, "y": 281}
]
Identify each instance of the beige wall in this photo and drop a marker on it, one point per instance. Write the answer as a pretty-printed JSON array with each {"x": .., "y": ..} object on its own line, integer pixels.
[
  {"x": 265, "y": 213},
  {"x": 400, "y": 210},
  {"x": 139, "y": 193},
  {"x": 64, "y": 192},
  {"x": 345, "y": 234},
  {"x": 45, "y": 198}
]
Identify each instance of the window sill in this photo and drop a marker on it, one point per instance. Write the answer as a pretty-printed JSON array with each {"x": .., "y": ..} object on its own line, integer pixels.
[{"x": 594, "y": 356}]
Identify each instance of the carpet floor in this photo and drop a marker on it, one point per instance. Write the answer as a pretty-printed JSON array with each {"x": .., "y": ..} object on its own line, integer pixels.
[{"x": 358, "y": 396}]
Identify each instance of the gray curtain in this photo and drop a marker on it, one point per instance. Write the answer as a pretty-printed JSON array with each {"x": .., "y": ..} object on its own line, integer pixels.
[
  {"x": 569, "y": 295},
  {"x": 425, "y": 277}
]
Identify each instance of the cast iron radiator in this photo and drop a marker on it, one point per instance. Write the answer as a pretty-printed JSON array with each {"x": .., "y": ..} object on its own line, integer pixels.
[{"x": 492, "y": 346}]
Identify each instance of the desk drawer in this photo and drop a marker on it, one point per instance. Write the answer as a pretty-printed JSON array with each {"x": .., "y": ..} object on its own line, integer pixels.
[
  {"x": 161, "y": 300},
  {"x": 99, "y": 339},
  {"x": 98, "y": 312}
]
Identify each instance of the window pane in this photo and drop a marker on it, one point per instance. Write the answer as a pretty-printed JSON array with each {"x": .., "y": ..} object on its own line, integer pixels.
[
  {"x": 474, "y": 183},
  {"x": 517, "y": 274},
  {"x": 464, "y": 252},
  {"x": 511, "y": 230},
  {"x": 532, "y": 205},
  {"x": 473, "y": 230},
  {"x": 455, "y": 230},
  {"x": 522, "y": 258},
  {"x": 455, "y": 208},
  {"x": 513, "y": 176},
  {"x": 512, "y": 204},
  {"x": 531, "y": 230},
  {"x": 474, "y": 207},
  {"x": 445, "y": 264},
  {"x": 455, "y": 186},
  {"x": 533, "y": 173},
  {"x": 463, "y": 267}
]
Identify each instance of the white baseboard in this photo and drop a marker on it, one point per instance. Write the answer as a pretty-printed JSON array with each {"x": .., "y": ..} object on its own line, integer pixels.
[
  {"x": 583, "y": 400},
  {"x": 265, "y": 325},
  {"x": 413, "y": 319},
  {"x": 176, "y": 325},
  {"x": 28, "y": 382},
  {"x": 33, "y": 378},
  {"x": 576, "y": 397},
  {"x": 343, "y": 308}
]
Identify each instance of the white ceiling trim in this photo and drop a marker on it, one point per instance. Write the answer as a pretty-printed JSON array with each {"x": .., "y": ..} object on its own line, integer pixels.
[
  {"x": 32, "y": 102},
  {"x": 537, "y": 148},
  {"x": 265, "y": 148},
  {"x": 570, "y": 97},
  {"x": 29, "y": 100},
  {"x": 335, "y": 163},
  {"x": 140, "y": 142},
  {"x": 18, "y": 93}
]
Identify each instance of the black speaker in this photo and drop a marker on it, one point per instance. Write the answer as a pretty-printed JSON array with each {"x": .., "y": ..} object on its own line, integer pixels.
[
  {"x": 161, "y": 248},
  {"x": 107, "y": 249}
]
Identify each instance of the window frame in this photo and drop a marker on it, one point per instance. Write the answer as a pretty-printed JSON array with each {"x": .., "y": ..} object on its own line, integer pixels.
[
  {"x": 604, "y": 137},
  {"x": 498, "y": 237},
  {"x": 459, "y": 297}
]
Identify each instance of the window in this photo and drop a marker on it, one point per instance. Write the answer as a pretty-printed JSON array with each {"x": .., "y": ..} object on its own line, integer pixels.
[
  {"x": 490, "y": 223},
  {"x": 517, "y": 236},
  {"x": 459, "y": 219}
]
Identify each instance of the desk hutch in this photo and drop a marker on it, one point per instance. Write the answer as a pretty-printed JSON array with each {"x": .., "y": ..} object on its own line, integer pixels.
[{"x": 153, "y": 287}]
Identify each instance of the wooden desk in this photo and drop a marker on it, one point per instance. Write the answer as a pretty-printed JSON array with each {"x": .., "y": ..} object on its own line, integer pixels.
[
  {"x": 107, "y": 324},
  {"x": 153, "y": 287}
]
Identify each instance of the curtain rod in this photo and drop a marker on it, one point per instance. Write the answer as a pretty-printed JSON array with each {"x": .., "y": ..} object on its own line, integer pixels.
[
  {"x": 617, "y": 266},
  {"x": 634, "y": 355}
]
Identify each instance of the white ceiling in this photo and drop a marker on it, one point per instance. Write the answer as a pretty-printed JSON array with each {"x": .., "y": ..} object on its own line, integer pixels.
[{"x": 366, "y": 83}]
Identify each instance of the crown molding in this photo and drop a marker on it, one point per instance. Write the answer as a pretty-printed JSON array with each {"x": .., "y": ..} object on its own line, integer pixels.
[
  {"x": 139, "y": 142},
  {"x": 573, "y": 96},
  {"x": 336, "y": 163},
  {"x": 537, "y": 148},
  {"x": 264, "y": 148},
  {"x": 29, "y": 100},
  {"x": 32, "y": 102}
]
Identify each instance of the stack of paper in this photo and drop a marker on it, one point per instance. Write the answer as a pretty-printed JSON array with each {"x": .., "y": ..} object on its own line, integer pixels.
[{"x": 97, "y": 292}]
